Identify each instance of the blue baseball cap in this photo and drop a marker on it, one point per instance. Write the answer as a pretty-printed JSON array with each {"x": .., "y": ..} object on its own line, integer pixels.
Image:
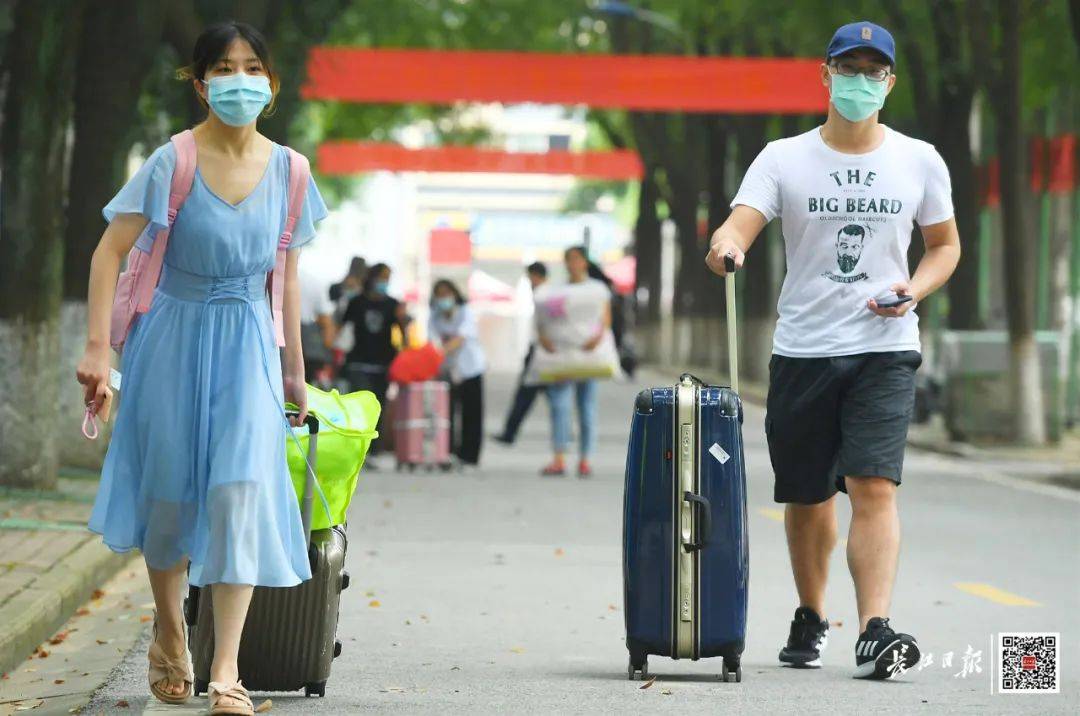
[{"x": 862, "y": 34}]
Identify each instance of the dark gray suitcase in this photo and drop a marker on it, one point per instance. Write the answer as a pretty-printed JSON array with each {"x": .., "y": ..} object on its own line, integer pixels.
[{"x": 289, "y": 638}]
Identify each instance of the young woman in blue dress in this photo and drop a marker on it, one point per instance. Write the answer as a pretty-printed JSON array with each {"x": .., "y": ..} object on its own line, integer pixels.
[{"x": 195, "y": 476}]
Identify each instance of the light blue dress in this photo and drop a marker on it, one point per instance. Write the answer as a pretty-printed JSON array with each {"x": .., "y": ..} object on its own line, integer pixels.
[{"x": 197, "y": 465}]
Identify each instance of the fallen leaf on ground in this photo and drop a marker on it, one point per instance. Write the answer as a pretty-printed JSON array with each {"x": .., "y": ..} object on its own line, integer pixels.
[
  {"x": 122, "y": 704},
  {"x": 838, "y": 623},
  {"x": 374, "y": 603},
  {"x": 144, "y": 619},
  {"x": 648, "y": 683},
  {"x": 58, "y": 681},
  {"x": 369, "y": 593},
  {"x": 98, "y": 594},
  {"x": 458, "y": 668},
  {"x": 559, "y": 552},
  {"x": 75, "y": 710},
  {"x": 264, "y": 706},
  {"x": 41, "y": 653},
  {"x": 666, "y": 692},
  {"x": 408, "y": 623},
  {"x": 392, "y": 690},
  {"x": 612, "y": 608},
  {"x": 82, "y": 612},
  {"x": 387, "y": 503},
  {"x": 518, "y": 650},
  {"x": 103, "y": 642},
  {"x": 29, "y": 671},
  {"x": 58, "y": 638},
  {"x": 28, "y": 705}
]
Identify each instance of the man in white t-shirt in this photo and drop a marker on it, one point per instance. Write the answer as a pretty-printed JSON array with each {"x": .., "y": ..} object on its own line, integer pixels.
[{"x": 841, "y": 379}]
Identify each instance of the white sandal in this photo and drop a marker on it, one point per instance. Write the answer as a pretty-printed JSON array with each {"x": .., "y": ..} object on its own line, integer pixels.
[{"x": 241, "y": 704}]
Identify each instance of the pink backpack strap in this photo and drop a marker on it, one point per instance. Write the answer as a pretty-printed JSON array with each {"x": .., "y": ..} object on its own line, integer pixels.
[
  {"x": 299, "y": 173},
  {"x": 182, "y": 178}
]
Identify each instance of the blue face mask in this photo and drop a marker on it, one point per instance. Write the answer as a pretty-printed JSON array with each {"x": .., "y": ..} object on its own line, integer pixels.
[
  {"x": 238, "y": 99},
  {"x": 381, "y": 286},
  {"x": 858, "y": 97},
  {"x": 445, "y": 303}
]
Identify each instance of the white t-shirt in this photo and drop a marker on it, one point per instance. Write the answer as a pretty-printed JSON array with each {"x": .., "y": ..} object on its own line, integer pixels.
[
  {"x": 314, "y": 299},
  {"x": 847, "y": 221}
]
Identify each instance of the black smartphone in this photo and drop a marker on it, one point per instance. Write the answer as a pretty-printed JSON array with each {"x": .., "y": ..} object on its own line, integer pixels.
[{"x": 892, "y": 302}]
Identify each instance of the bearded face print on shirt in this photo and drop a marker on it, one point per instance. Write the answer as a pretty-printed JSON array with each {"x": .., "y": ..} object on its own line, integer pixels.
[{"x": 850, "y": 241}]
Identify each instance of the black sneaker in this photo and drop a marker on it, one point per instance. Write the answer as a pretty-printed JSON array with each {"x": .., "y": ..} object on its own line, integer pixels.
[
  {"x": 808, "y": 637},
  {"x": 881, "y": 653}
]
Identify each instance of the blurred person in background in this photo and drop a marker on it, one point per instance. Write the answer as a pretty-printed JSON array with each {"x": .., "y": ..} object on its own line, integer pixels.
[
  {"x": 558, "y": 330},
  {"x": 349, "y": 287},
  {"x": 317, "y": 328},
  {"x": 365, "y": 336},
  {"x": 525, "y": 395},
  {"x": 453, "y": 324}
]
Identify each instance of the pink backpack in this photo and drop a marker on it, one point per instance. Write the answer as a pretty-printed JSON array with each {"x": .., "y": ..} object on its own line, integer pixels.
[{"x": 135, "y": 287}]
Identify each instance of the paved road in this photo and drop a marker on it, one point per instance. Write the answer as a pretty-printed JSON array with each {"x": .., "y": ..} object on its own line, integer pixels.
[{"x": 500, "y": 592}]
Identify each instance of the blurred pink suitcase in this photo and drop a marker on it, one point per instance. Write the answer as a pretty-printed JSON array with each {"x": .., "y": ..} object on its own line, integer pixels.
[{"x": 421, "y": 415}]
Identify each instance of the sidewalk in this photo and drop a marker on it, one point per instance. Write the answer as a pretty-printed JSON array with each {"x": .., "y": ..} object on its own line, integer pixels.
[
  {"x": 50, "y": 564},
  {"x": 1055, "y": 465}
]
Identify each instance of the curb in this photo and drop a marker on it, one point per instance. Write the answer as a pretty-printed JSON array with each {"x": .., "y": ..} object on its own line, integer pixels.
[{"x": 34, "y": 615}]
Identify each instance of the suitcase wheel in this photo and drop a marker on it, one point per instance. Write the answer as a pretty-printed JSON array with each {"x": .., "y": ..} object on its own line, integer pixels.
[
  {"x": 345, "y": 580},
  {"x": 337, "y": 648},
  {"x": 316, "y": 689},
  {"x": 632, "y": 669},
  {"x": 200, "y": 687},
  {"x": 446, "y": 466},
  {"x": 731, "y": 671}
]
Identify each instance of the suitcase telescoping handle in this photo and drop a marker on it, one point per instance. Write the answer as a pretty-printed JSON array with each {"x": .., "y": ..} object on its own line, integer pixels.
[
  {"x": 732, "y": 336},
  {"x": 312, "y": 424},
  {"x": 704, "y": 521}
]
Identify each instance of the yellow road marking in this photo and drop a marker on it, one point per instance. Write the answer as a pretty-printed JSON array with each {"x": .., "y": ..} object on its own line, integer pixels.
[
  {"x": 771, "y": 513},
  {"x": 995, "y": 595}
]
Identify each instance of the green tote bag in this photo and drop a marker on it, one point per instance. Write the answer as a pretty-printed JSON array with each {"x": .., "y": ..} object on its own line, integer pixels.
[{"x": 346, "y": 429}]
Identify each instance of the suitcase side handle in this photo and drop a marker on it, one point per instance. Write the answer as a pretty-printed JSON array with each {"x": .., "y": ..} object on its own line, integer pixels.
[{"x": 704, "y": 521}]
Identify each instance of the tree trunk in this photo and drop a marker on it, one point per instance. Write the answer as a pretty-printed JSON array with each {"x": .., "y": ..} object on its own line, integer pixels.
[
  {"x": 1025, "y": 384},
  {"x": 954, "y": 144},
  {"x": 37, "y": 109},
  {"x": 109, "y": 77},
  {"x": 647, "y": 247}
]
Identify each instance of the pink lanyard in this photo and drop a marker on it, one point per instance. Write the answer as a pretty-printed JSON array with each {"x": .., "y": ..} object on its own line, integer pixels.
[{"x": 89, "y": 423}]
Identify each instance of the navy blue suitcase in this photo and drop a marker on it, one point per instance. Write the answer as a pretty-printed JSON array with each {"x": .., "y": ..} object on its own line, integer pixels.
[{"x": 685, "y": 543}]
